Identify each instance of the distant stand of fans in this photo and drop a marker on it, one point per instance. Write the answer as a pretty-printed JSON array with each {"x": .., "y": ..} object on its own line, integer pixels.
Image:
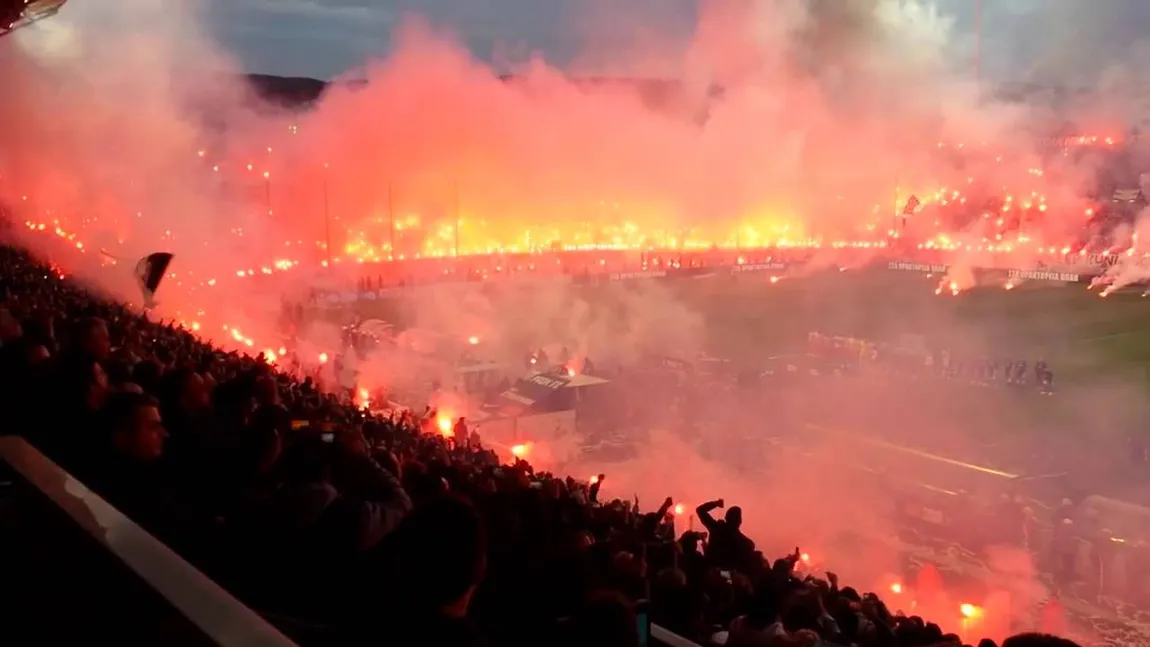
[{"x": 864, "y": 355}]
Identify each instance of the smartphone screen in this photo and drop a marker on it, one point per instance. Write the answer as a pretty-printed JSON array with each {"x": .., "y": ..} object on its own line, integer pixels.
[
  {"x": 327, "y": 438},
  {"x": 643, "y": 622}
]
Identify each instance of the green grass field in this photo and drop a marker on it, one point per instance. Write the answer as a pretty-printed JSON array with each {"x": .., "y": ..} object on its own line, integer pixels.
[
  {"x": 1082, "y": 336},
  {"x": 1098, "y": 348}
]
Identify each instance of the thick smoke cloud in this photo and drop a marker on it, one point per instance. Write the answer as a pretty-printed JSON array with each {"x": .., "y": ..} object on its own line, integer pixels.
[{"x": 128, "y": 131}]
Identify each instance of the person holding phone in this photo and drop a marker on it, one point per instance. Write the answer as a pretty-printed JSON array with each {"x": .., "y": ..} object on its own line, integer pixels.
[{"x": 643, "y": 622}]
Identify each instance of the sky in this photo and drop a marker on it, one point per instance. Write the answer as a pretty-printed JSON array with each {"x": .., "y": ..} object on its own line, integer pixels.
[
  {"x": 325, "y": 37},
  {"x": 321, "y": 38},
  {"x": 1023, "y": 40}
]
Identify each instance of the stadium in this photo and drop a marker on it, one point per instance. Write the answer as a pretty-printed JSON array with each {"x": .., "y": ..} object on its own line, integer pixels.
[{"x": 396, "y": 400}]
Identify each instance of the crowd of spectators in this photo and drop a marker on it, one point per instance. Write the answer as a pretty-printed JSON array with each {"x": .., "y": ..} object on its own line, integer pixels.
[
  {"x": 922, "y": 363},
  {"x": 347, "y": 527}
]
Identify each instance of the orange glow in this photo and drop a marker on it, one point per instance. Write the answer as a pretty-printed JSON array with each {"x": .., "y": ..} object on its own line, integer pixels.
[
  {"x": 489, "y": 216},
  {"x": 969, "y": 610},
  {"x": 519, "y": 451},
  {"x": 896, "y": 588},
  {"x": 444, "y": 424},
  {"x": 678, "y": 509}
]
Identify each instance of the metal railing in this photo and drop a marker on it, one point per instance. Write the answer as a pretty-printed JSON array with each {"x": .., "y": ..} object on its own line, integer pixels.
[
  {"x": 204, "y": 603},
  {"x": 667, "y": 638},
  {"x": 201, "y": 601}
]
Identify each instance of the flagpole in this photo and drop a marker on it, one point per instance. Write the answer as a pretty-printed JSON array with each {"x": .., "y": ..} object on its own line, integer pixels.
[
  {"x": 894, "y": 216},
  {"x": 458, "y": 218},
  {"x": 391, "y": 219},
  {"x": 326, "y": 216}
]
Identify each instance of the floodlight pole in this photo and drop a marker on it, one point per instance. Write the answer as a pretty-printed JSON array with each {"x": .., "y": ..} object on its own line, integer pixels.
[
  {"x": 326, "y": 217},
  {"x": 458, "y": 218},
  {"x": 391, "y": 219}
]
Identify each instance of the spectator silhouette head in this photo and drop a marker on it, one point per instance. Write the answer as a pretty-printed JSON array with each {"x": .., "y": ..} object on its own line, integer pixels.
[
  {"x": 91, "y": 338},
  {"x": 40, "y": 330},
  {"x": 606, "y": 619},
  {"x": 137, "y": 429},
  {"x": 185, "y": 391},
  {"x": 1037, "y": 640},
  {"x": 266, "y": 391},
  {"x": 734, "y": 517},
  {"x": 10, "y": 329},
  {"x": 260, "y": 447},
  {"x": 147, "y": 373},
  {"x": 440, "y": 557},
  {"x": 38, "y": 354},
  {"x": 83, "y": 384}
]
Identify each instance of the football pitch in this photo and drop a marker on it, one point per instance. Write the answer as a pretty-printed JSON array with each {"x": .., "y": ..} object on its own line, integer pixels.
[
  {"x": 1083, "y": 337},
  {"x": 1098, "y": 349},
  {"x": 751, "y": 319}
]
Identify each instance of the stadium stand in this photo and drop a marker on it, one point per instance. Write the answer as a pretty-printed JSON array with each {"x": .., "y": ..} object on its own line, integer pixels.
[
  {"x": 15, "y": 14},
  {"x": 338, "y": 526},
  {"x": 133, "y": 589}
]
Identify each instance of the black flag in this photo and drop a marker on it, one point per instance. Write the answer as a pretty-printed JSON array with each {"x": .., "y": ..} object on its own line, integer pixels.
[
  {"x": 149, "y": 272},
  {"x": 911, "y": 205}
]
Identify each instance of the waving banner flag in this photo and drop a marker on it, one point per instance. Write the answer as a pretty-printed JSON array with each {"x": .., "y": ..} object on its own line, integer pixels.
[
  {"x": 149, "y": 272},
  {"x": 911, "y": 205}
]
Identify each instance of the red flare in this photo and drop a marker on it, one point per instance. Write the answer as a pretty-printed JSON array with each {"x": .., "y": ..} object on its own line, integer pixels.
[{"x": 1052, "y": 618}]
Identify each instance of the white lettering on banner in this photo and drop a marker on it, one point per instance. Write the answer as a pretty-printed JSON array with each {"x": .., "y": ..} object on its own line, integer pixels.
[
  {"x": 543, "y": 380},
  {"x": 1041, "y": 275},
  {"x": 910, "y": 266},
  {"x": 759, "y": 267},
  {"x": 1072, "y": 262},
  {"x": 1084, "y": 263},
  {"x": 626, "y": 276}
]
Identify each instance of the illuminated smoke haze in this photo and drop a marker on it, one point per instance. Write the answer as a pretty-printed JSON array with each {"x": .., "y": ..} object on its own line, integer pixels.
[{"x": 127, "y": 128}]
